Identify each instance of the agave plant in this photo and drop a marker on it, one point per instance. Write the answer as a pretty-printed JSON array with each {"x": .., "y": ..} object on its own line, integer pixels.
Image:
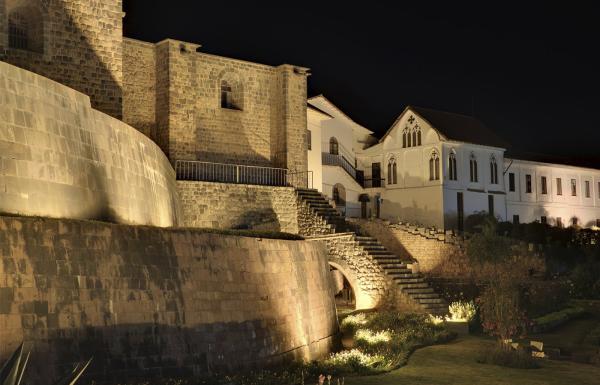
[{"x": 13, "y": 369}]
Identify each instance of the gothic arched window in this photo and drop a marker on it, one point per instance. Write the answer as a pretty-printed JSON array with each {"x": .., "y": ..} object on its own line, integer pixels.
[
  {"x": 404, "y": 138},
  {"x": 452, "y": 175},
  {"x": 414, "y": 137},
  {"x": 392, "y": 175},
  {"x": 409, "y": 141},
  {"x": 493, "y": 170},
  {"x": 434, "y": 166},
  {"x": 333, "y": 146},
  {"x": 473, "y": 168},
  {"x": 418, "y": 136},
  {"x": 25, "y": 28}
]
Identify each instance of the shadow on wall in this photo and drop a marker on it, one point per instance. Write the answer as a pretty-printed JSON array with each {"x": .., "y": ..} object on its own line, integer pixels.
[
  {"x": 413, "y": 213},
  {"x": 59, "y": 45},
  {"x": 264, "y": 219}
]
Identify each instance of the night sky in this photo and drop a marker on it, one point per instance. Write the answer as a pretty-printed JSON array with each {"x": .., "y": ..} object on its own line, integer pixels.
[{"x": 529, "y": 72}]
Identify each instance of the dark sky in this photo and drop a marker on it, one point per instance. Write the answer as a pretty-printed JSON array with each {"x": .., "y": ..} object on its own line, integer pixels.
[{"x": 530, "y": 72}]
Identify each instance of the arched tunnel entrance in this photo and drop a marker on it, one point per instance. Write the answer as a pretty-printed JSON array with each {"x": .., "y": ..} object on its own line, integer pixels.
[{"x": 345, "y": 299}]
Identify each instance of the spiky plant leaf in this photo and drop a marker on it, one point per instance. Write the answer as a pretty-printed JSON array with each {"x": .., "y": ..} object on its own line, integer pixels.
[
  {"x": 71, "y": 378},
  {"x": 12, "y": 371}
]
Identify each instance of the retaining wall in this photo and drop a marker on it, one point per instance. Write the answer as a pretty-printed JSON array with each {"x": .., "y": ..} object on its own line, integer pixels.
[{"x": 150, "y": 301}]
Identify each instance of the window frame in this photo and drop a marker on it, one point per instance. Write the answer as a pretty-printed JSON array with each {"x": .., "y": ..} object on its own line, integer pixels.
[
  {"x": 573, "y": 187},
  {"x": 544, "y": 185},
  {"x": 528, "y": 187},
  {"x": 559, "y": 186},
  {"x": 511, "y": 181}
]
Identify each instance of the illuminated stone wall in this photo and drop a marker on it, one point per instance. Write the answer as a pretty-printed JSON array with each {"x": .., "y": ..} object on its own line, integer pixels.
[
  {"x": 431, "y": 250},
  {"x": 238, "y": 206},
  {"x": 61, "y": 158},
  {"x": 267, "y": 127},
  {"x": 145, "y": 300},
  {"x": 80, "y": 45}
]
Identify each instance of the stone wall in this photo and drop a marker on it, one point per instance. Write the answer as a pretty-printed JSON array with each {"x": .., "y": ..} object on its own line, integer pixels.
[
  {"x": 238, "y": 206},
  {"x": 267, "y": 127},
  {"x": 149, "y": 301},
  {"x": 139, "y": 86},
  {"x": 430, "y": 248},
  {"x": 61, "y": 158},
  {"x": 77, "y": 43}
]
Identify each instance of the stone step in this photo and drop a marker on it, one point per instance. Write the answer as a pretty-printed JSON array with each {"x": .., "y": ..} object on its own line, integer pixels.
[
  {"x": 363, "y": 238},
  {"x": 419, "y": 285},
  {"x": 431, "y": 301},
  {"x": 373, "y": 247},
  {"x": 436, "y": 308},
  {"x": 419, "y": 290},
  {"x": 405, "y": 280},
  {"x": 393, "y": 264},
  {"x": 381, "y": 252},
  {"x": 432, "y": 295},
  {"x": 397, "y": 271},
  {"x": 383, "y": 259}
]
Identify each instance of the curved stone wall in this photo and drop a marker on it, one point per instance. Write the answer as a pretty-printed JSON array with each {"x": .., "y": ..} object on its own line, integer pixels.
[
  {"x": 159, "y": 302},
  {"x": 61, "y": 158}
]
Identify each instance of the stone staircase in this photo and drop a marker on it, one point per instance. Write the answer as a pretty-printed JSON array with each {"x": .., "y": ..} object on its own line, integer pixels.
[{"x": 412, "y": 284}]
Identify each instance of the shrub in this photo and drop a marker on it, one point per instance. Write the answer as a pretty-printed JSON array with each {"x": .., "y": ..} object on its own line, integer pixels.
[
  {"x": 555, "y": 319},
  {"x": 364, "y": 337},
  {"x": 354, "y": 361},
  {"x": 351, "y": 322},
  {"x": 487, "y": 246},
  {"x": 504, "y": 355},
  {"x": 500, "y": 306},
  {"x": 462, "y": 310}
]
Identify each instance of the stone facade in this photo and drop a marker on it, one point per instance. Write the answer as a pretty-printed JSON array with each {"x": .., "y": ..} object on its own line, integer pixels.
[
  {"x": 61, "y": 158},
  {"x": 238, "y": 206},
  {"x": 75, "y": 42},
  {"x": 160, "y": 302},
  {"x": 266, "y": 127}
]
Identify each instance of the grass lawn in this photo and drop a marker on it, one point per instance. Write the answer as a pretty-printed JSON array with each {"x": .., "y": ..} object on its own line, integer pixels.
[{"x": 455, "y": 363}]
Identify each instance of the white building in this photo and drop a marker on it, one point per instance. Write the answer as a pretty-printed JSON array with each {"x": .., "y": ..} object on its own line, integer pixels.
[
  {"x": 436, "y": 168},
  {"x": 334, "y": 140}
]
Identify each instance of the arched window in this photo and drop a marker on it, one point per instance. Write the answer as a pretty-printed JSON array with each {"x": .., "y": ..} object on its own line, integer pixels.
[
  {"x": 333, "y": 146},
  {"x": 404, "y": 138},
  {"x": 409, "y": 142},
  {"x": 418, "y": 136},
  {"x": 493, "y": 170},
  {"x": 473, "y": 168},
  {"x": 232, "y": 95},
  {"x": 414, "y": 137},
  {"x": 25, "y": 27},
  {"x": 434, "y": 166},
  {"x": 392, "y": 175},
  {"x": 452, "y": 175}
]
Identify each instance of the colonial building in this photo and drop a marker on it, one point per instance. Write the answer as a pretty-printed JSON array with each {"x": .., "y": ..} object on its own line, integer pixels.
[{"x": 436, "y": 168}]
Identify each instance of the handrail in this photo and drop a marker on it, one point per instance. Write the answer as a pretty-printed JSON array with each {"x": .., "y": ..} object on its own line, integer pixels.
[{"x": 193, "y": 170}]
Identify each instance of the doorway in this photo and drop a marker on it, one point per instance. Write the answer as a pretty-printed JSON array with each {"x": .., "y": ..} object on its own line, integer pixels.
[{"x": 460, "y": 211}]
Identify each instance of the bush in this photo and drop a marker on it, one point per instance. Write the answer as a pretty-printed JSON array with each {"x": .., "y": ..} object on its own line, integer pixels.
[
  {"x": 501, "y": 308},
  {"x": 543, "y": 297},
  {"x": 585, "y": 279},
  {"x": 386, "y": 339},
  {"x": 487, "y": 246},
  {"x": 555, "y": 319},
  {"x": 504, "y": 355},
  {"x": 462, "y": 310}
]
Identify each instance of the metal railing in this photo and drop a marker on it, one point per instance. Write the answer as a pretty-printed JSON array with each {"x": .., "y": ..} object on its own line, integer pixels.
[
  {"x": 341, "y": 161},
  {"x": 374, "y": 183},
  {"x": 192, "y": 170}
]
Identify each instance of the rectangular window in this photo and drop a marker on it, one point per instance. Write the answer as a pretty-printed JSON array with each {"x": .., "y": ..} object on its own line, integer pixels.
[
  {"x": 597, "y": 222},
  {"x": 574, "y": 221},
  {"x": 598, "y": 190},
  {"x": 559, "y": 222},
  {"x": 543, "y": 220},
  {"x": 587, "y": 189},
  {"x": 309, "y": 139},
  {"x": 516, "y": 219},
  {"x": 491, "y": 205},
  {"x": 558, "y": 186},
  {"x": 511, "y": 181},
  {"x": 574, "y": 187},
  {"x": 528, "y": 184},
  {"x": 544, "y": 186}
]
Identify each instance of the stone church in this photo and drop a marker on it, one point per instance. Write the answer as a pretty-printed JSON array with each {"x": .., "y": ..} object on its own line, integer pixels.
[{"x": 195, "y": 106}]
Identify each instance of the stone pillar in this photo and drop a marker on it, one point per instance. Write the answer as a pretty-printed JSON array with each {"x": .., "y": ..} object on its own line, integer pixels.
[{"x": 292, "y": 143}]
